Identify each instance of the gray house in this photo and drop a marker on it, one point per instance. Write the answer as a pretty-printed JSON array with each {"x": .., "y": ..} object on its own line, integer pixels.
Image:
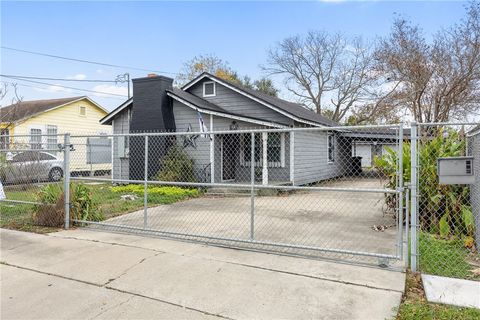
[{"x": 215, "y": 104}]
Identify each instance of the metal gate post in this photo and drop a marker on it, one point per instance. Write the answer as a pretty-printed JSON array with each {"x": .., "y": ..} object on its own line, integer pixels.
[
  {"x": 252, "y": 190},
  {"x": 66, "y": 178},
  {"x": 413, "y": 195},
  {"x": 400, "y": 189},
  {"x": 145, "y": 187},
  {"x": 407, "y": 216}
]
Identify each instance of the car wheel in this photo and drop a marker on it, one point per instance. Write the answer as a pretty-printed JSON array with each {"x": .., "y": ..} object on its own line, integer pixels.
[{"x": 55, "y": 174}]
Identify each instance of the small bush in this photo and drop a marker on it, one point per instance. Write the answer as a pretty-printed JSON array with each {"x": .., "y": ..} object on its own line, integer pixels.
[
  {"x": 51, "y": 211},
  {"x": 177, "y": 166}
]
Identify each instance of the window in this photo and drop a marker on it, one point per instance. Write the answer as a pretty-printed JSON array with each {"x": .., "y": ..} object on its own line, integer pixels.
[
  {"x": 52, "y": 142},
  {"x": 209, "y": 89},
  {"x": 35, "y": 138},
  {"x": 83, "y": 110},
  {"x": 275, "y": 150},
  {"x": 331, "y": 147},
  {"x": 4, "y": 139}
]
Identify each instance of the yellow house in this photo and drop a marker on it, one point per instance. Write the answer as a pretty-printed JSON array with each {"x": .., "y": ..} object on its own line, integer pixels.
[{"x": 40, "y": 124}]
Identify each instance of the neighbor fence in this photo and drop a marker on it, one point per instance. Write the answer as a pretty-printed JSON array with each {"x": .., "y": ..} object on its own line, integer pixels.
[{"x": 360, "y": 194}]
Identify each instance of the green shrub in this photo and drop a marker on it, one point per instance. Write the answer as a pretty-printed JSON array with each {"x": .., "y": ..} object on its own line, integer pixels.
[
  {"x": 177, "y": 166},
  {"x": 51, "y": 211},
  {"x": 443, "y": 209},
  {"x": 138, "y": 189}
]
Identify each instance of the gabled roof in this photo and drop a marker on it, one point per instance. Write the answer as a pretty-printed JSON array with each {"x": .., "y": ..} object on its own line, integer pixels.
[
  {"x": 109, "y": 117},
  {"x": 204, "y": 106},
  {"x": 287, "y": 108},
  {"x": 27, "y": 109}
]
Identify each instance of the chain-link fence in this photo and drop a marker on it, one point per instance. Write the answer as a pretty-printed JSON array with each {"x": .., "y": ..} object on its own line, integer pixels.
[
  {"x": 31, "y": 172},
  {"x": 322, "y": 192},
  {"x": 446, "y": 201},
  {"x": 319, "y": 192}
]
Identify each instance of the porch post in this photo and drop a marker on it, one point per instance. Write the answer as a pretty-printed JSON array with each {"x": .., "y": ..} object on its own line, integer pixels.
[
  {"x": 265, "y": 158},
  {"x": 212, "y": 152},
  {"x": 292, "y": 157}
]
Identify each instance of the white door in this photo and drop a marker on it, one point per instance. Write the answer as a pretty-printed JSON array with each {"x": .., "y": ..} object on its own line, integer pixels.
[{"x": 364, "y": 151}]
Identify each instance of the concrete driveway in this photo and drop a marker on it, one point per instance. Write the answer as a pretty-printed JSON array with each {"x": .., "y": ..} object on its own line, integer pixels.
[
  {"x": 82, "y": 274},
  {"x": 326, "y": 219}
]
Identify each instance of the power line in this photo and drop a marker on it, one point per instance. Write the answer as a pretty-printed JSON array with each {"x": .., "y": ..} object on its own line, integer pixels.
[
  {"x": 85, "y": 61},
  {"x": 56, "y": 79},
  {"x": 73, "y": 88},
  {"x": 37, "y": 87}
]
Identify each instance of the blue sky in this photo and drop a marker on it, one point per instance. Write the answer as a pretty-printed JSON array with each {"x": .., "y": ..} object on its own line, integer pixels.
[{"x": 163, "y": 35}]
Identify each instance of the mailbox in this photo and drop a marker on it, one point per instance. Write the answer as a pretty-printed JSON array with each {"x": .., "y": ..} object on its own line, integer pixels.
[{"x": 455, "y": 170}]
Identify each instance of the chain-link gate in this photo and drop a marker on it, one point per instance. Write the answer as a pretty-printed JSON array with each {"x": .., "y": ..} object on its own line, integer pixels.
[
  {"x": 445, "y": 204},
  {"x": 320, "y": 192}
]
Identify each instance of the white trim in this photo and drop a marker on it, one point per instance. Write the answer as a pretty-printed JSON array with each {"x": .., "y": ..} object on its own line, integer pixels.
[
  {"x": 265, "y": 158},
  {"x": 214, "y": 89},
  {"x": 292, "y": 157},
  {"x": 288, "y": 115},
  {"x": 212, "y": 152},
  {"x": 113, "y": 143},
  {"x": 282, "y": 149},
  {"x": 116, "y": 111},
  {"x": 225, "y": 115},
  {"x": 42, "y": 137}
]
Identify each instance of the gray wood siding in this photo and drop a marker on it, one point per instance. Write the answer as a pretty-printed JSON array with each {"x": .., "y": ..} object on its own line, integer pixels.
[
  {"x": 239, "y": 104},
  {"x": 121, "y": 124},
  {"x": 311, "y": 157},
  {"x": 185, "y": 116}
]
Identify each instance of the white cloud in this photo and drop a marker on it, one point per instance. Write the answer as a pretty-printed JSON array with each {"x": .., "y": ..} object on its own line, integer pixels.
[
  {"x": 106, "y": 88},
  {"x": 78, "y": 76},
  {"x": 53, "y": 88},
  {"x": 99, "y": 71}
]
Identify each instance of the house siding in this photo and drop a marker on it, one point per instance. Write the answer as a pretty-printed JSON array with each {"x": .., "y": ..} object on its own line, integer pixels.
[
  {"x": 311, "y": 157},
  {"x": 236, "y": 103},
  {"x": 185, "y": 116},
  {"x": 68, "y": 120},
  {"x": 120, "y": 165}
]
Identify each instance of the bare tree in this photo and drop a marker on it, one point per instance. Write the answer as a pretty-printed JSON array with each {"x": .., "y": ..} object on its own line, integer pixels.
[
  {"x": 437, "y": 81},
  {"x": 328, "y": 73}
]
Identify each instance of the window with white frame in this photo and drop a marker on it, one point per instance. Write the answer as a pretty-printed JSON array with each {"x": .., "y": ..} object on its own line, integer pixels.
[
  {"x": 5, "y": 139},
  {"x": 52, "y": 141},
  {"x": 82, "y": 110},
  {"x": 275, "y": 150},
  {"x": 36, "y": 138},
  {"x": 209, "y": 89},
  {"x": 331, "y": 147}
]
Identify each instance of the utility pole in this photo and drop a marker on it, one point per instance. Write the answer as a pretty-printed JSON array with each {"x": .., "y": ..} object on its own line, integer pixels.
[{"x": 124, "y": 78}]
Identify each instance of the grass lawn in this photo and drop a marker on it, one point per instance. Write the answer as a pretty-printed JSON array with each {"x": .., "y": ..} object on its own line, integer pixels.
[
  {"x": 415, "y": 307},
  {"x": 448, "y": 258},
  {"x": 19, "y": 216}
]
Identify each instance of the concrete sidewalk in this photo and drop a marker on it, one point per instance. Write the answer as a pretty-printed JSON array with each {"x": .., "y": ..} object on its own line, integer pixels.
[{"x": 82, "y": 274}]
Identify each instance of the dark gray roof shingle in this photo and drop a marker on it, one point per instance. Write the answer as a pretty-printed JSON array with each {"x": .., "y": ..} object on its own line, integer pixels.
[{"x": 291, "y": 108}]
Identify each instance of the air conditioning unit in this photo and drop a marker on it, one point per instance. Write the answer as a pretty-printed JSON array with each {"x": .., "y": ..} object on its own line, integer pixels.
[{"x": 455, "y": 170}]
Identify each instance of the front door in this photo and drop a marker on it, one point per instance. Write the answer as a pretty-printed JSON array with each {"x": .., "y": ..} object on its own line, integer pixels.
[{"x": 230, "y": 149}]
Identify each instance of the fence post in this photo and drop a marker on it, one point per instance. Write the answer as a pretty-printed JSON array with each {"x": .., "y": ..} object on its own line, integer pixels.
[
  {"x": 401, "y": 190},
  {"x": 407, "y": 217},
  {"x": 145, "y": 187},
  {"x": 252, "y": 190},
  {"x": 66, "y": 178},
  {"x": 413, "y": 195}
]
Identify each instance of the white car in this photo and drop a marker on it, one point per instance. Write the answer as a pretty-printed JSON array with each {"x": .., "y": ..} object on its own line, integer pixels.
[{"x": 31, "y": 166}]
